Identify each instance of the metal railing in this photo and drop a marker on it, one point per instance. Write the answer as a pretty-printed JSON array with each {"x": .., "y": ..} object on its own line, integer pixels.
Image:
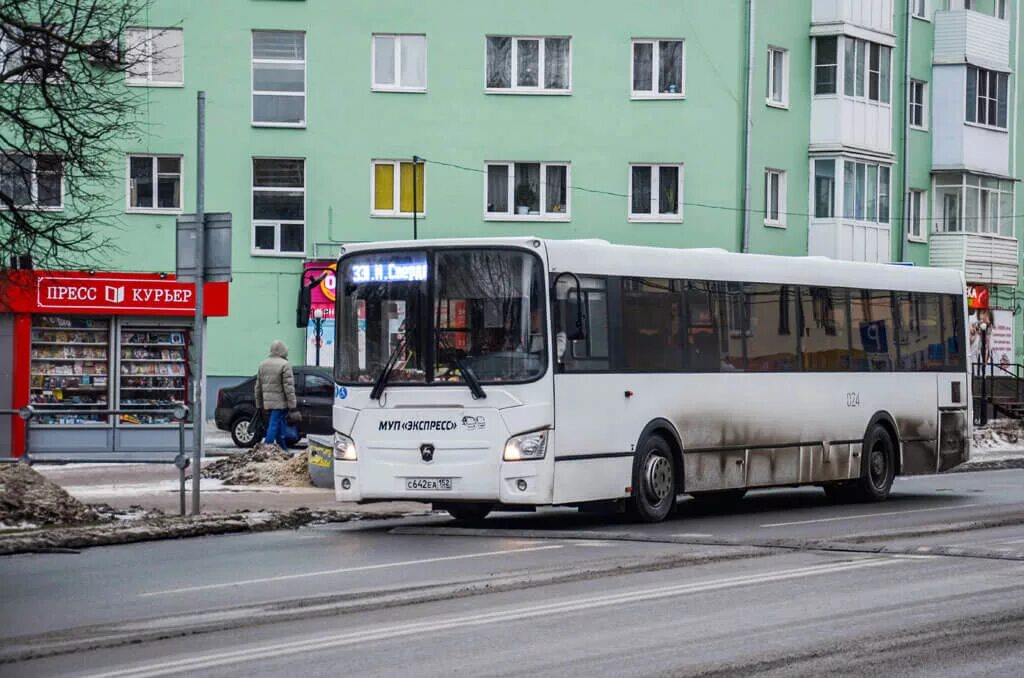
[
  {"x": 178, "y": 414},
  {"x": 985, "y": 397}
]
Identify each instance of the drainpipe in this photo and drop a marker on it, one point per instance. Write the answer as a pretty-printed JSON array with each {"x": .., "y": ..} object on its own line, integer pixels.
[
  {"x": 902, "y": 228},
  {"x": 745, "y": 244}
]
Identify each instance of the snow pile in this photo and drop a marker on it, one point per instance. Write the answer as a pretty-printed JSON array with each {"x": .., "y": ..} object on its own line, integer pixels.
[
  {"x": 999, "y": 438},
  {"x": 27, "y": 499},
  {"x": 263, "y": 465}
]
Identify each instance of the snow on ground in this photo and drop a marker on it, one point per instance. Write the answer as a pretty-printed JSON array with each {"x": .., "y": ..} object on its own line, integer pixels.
[
  {"x": 86, "y": 492},
  {"x": 1000, "y": 439}
]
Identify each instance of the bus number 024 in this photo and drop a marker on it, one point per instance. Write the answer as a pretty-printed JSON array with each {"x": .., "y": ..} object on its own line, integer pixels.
[{"x": 853, "y": 399}]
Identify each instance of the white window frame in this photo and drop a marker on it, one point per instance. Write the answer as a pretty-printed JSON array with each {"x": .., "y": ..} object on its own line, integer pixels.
[
  {"x": 917, "y": 215},
  {"x": 147, "y": 56},
  {"x": 276, "y": 252},
  {"x": 654, "y": 93},
  {"x": 988, "y": 75},
  {"x": 780, "y": 199},
  {"x": 396, "y": 212},
  {"x": 923, "y": 103},
  {"x": 655, "y": 216},
  {"x": 513, "y": 88},
  {"x": 396, "y": 87},
  {"x": 864, "y": 63},
  {"x": 925, "y": 9},
  {"x": 154, "y": 173},
  {"x": 511, "y": 215},
  {"x": 841, "y": 176},
  {"x": 33, "y": 205},
  {"x": 253, "y": 92},
  {"x": 775, "y": 54}
]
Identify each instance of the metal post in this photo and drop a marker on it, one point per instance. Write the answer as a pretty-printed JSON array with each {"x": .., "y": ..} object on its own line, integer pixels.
[
  {"x": 318, "y": 333},
  {"x": 181, "y": 466},
  {"x": 197, "y": 335},
  {"x": 415, "y": 227}
]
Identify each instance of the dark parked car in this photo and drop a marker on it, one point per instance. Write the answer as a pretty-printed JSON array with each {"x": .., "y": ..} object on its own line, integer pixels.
[{"x": 314, "y": 393}]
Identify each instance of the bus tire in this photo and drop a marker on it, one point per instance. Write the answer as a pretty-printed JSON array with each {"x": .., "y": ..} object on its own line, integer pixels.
[
  {"x": 654, "y": 481},
  {"x": 878, "y": 467},
  {"x": 468, "y": 513}
]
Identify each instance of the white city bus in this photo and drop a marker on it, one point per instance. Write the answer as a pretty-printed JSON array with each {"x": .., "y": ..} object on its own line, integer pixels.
[{"x": 511, "y": 373}]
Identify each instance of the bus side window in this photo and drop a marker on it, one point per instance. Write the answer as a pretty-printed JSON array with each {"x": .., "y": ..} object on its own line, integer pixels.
[
  {"x": 701, "y": 332},
  {"x": 590, "y": 353}
]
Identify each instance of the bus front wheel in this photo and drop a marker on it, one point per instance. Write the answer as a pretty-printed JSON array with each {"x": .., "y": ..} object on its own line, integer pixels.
[
  {"x": 654, "y": 481},
  {"x": 878, "y": 470}
]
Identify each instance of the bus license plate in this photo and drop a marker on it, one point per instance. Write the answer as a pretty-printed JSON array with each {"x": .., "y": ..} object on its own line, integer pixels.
[{"x": 428, "y": 483}]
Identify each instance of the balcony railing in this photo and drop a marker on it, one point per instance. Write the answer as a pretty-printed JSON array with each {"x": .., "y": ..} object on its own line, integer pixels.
[
  {"x": 875, "y": 15},
  {"x": 966, "y": 36},
  {"x": 983, "y": 257}
]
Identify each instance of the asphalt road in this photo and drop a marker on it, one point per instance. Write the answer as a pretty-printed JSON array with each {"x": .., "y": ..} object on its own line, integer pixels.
[{"x": 784, "y": 583}]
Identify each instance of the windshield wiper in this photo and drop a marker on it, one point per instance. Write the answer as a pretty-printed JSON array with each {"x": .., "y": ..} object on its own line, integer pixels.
[
  {"x": 382, "y": 378},
  {"x": 471, "y": 381}
]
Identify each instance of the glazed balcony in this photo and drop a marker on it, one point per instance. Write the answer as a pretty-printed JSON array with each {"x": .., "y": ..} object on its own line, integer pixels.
[
  {"x": 969, "y": 37},
  {"x": 983, "y": 257}
]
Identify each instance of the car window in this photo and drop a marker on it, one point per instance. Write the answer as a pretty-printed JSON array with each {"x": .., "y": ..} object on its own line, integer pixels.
[{"x": 316, "y": 385}]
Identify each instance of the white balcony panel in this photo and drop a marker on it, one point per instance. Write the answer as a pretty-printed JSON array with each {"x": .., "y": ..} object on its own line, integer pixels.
[
  {"x": 984, "y": 258},
  {"x": 838, "y": 120},
  {"x": 875, "y": 15},
  {"x": 956, "y": 144},
  {"x": 964, "y": 36},
  {"x": 849, "y": 240}
]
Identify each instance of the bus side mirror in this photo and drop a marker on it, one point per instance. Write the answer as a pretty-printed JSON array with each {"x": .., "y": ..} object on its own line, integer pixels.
[{"x": 304, "y": 303}]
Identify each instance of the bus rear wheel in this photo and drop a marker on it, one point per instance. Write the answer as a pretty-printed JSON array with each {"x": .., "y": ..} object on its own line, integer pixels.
[
  {"x": 654, "y": 481},
  {"x": 878, "y": 470},
  {"x": 468, "y": 513}
]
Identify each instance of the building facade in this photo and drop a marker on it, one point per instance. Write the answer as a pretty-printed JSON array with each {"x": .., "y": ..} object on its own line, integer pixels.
[{"x": 871, "y": 130}]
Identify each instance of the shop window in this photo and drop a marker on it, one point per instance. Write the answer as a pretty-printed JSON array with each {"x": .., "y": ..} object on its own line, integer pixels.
[
  {"x": 772, "y": 339},
  {"x": 154, "y": 183},
  {"x": 279, "y": 206},
  {"x": 70, "y": 370},
  {"x": 651, "y": 325},
  {"x": 153, "y": 374},
  {"x": 824, "y": 329},
  {"x": 528, "y": 65},
  {"x": 393, "y": 188},
  {"x": 279, "y": 78}
]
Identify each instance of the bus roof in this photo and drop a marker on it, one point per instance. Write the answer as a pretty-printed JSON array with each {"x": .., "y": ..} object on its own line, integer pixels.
[{"x": 600, "y": 257}]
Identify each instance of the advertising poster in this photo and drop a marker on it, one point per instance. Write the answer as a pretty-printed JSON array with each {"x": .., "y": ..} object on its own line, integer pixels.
[
  {"x": 321, "y": 298},
  {"x": 999, "y": 349}
]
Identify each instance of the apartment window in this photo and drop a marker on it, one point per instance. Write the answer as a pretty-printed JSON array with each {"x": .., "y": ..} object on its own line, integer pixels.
[
  {"x": 655, "y": 193},
  {"x": 154, "y": 183},
  {"x": 867, "y": 70},
  {"x": 866, "y": 192},
  {"x": 279, "y": 78},
  {"x": 915, "y": 215},
  {"x": 774, "y": 197},
  {"x": 826, "y": 65},
  {"x": 33, "y": 51},
  {"x": 658, "y": 69},
  {"x": 919, "y": 8},
  {"x": 31, "y": 182},
  {"x": 393, "y": 188},
  {"x": 973, "y": 204},
  {"x": 778, "y": 77},
  {"x": 986, "y": 97},
  {"x": 155, "y": 56},
  {"x": 824, "y": 188},
  {"x": 400, "y": 63},
  {"x": 279, "y": 206},
  {"x": 528, "y": 65},
  {"x": 918, "y": 104},
  {"x": 528, "y": 190}
]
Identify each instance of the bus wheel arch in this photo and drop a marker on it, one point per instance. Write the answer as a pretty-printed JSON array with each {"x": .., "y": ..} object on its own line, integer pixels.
[
  {"x": 657, "y": 472},
  {"x": 666, "y": 430},
  {"x": 885, "y": 420}
]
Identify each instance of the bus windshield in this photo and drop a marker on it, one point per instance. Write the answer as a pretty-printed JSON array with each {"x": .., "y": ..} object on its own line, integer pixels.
[{"x": 445, "y": 312}]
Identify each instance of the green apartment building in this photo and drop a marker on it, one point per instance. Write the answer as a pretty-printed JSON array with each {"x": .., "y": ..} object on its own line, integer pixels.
[{"x": 871, "y": 130}]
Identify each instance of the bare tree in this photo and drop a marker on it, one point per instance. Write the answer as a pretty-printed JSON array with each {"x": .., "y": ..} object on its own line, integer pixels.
[{"x": 65, "y": 115}]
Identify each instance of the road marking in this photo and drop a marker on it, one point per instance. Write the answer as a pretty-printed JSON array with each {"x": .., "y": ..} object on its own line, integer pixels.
[
  {"x": 320, "y": 573},
  {"x": 1013, "y": 541},
  {"x": 691, "y": 534},
  {"x": 326, "y": 642},
  {"x": 596, "y": 544},
  {"x": 870, "y": 515}
]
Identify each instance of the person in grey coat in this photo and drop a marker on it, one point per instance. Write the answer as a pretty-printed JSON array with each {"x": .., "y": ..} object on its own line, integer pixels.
[{"x": 275, "y": 391}]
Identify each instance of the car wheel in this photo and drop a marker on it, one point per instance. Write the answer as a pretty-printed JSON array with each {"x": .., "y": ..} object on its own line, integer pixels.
[
  {"x": 654, "y": 481},
  {"x": 241, "y": 433},
  {"x": 468, "y": 513}
]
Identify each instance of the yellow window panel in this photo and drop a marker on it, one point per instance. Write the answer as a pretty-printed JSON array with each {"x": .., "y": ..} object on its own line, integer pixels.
[
  {"x": 406, "y": 197},
  {"x": 384, "y": 187}
]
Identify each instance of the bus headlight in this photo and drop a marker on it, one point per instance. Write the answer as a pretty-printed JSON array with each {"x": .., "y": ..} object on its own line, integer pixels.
[
  {"x": 344, "y": 448},
  {"x": 526, "y": 446}
]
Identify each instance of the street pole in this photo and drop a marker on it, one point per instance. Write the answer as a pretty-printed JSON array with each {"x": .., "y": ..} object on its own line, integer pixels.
[
  {"x": 318, "y": 331},
  {"x": 198, "y": 418}
]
